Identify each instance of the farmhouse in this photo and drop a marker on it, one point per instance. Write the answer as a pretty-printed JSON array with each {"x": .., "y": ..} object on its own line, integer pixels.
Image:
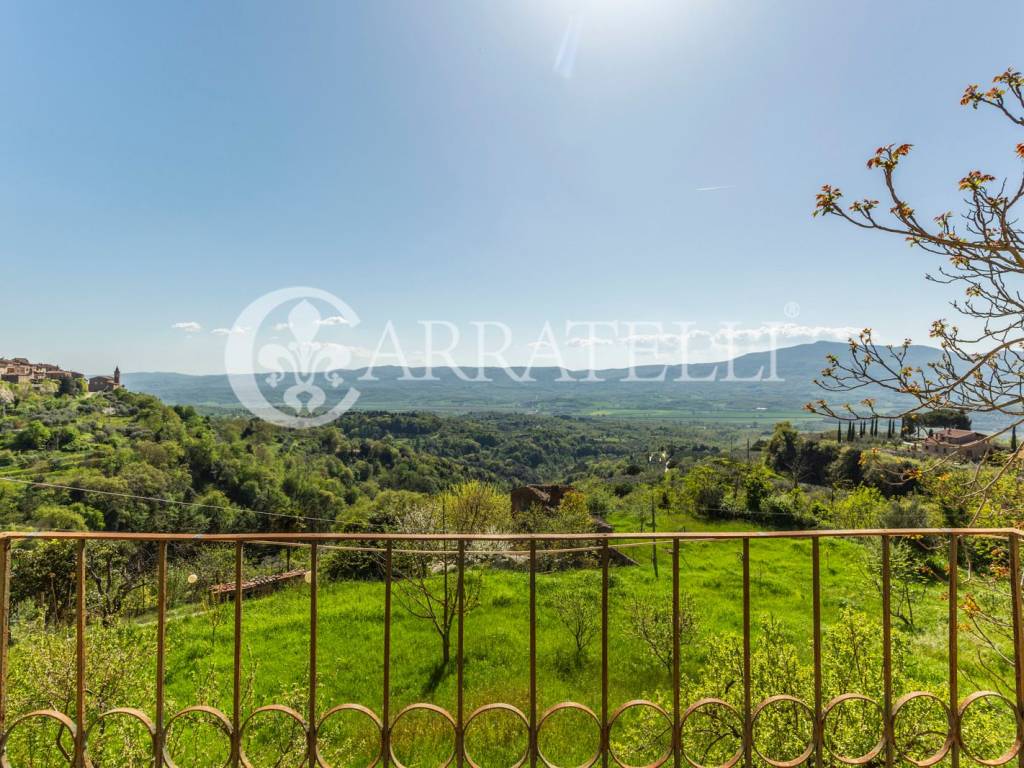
[{"x": 962, "y": 442}]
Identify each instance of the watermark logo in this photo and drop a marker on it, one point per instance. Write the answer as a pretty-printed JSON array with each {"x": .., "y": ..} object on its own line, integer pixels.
[
  {"x": 285, "y": 366},
  {"x": 295, "y": 365}
]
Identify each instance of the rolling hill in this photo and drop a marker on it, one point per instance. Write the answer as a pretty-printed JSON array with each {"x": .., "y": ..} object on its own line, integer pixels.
[{"x": 738, "y": 401}]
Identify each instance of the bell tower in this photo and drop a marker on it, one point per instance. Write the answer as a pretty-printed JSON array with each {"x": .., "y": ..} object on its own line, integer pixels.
[{"x": 117, "y": 375}]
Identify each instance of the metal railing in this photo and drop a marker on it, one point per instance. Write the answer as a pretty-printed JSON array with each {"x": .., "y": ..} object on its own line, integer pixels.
[{"x": 886, "y": 751}]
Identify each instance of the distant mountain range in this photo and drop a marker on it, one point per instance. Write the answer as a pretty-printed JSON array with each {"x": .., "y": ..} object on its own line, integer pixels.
[{"x": 738, "y": 402}]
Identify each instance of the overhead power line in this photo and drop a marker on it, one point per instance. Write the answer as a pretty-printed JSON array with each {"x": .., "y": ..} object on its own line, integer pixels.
[
  {"x": 235, "y": 510},
  {"x": 160, "y": 500}
]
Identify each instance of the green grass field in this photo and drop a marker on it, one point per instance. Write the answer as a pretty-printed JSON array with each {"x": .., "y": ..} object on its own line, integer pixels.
[
  {"x": 350, "y": 656},
  {"x": 275, "y": 643}
]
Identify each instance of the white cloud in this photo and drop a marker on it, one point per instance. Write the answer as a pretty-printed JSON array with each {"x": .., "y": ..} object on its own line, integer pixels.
[
  {"x": 228, "y": 331},
  {"x": 585, "y": 342},
  {"x": 333, "y": 320},
  {"x": 784, "y": 332},
  {"x": 189, "y": 326},
  {"x": 715, "y": 188},
  {"x": 668, "y": 340},
  {"x": 362, "y": 353},
  {"x": 744, "y": 336},
  {"x": 729, "y": 341}
]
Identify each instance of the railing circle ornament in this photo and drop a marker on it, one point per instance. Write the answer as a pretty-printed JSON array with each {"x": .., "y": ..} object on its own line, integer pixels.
[
  {"x": 635, "y": 703},
  {"x": 219, "y": 719},
  {"x": 131, "y": 712},
  {"x": 1012, "y": 751},
  {"x": 756, "y": 713},
  {"x": 950, "y": 735},
  {"x": 696, "y": 707},
  {"x": 499, "y": 707},
  {"x": 279, "y": 709},
  {"x": 562, "y": 707},
  {"x": 837, "y": 702},
  {"x": 39, "y": 714},
  {"x": 369, "y": 713},
  {"x": 425, "y": 707}
]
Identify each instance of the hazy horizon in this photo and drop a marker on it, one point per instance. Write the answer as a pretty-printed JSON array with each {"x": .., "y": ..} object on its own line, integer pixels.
[{"x": 419, "y": 367}]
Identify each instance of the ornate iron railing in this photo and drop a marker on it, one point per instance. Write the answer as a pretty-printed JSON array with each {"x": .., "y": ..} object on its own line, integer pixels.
[{"x": 886, "y": 751}]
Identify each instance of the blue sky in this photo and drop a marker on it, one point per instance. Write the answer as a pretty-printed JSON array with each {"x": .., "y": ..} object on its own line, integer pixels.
[{"x": 524, "y": 162}]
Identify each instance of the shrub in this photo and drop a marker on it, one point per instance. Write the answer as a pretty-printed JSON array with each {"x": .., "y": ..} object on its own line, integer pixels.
[
  {"x": 34, "y": 437},
  {"x": 578, "y": 608}
]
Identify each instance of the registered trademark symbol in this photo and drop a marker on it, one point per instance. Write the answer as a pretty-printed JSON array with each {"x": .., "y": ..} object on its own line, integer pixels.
[{"x": 791, "y": 310}]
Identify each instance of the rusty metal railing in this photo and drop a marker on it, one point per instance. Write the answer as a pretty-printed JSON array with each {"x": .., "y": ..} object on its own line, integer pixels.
[{"x": 886, "y": 751}]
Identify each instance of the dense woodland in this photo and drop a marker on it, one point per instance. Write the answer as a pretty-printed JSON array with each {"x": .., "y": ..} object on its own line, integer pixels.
[
  {"x": 127, "y": 455},
  {"x": 252, "y": 476}
]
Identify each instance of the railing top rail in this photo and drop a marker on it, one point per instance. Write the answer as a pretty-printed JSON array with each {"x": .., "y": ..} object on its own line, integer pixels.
[{"x": 309, "y": 537}]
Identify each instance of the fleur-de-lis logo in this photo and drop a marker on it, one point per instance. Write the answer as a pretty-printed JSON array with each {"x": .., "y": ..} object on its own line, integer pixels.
[
  {"x": 303, "y": 359},
  {"x": 296, "y": 363}
]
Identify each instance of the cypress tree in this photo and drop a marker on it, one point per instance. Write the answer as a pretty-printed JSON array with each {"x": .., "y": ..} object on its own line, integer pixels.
[
  {"x": 850, "y": 434},
  {"x": 862, "y": 429},
  {"x": 1013, "y": 439},
  {"x": 839, "y": 432}
]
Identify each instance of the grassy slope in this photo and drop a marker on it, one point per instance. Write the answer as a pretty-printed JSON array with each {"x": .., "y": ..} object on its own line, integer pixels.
[
  {"x": 496, "y": 638},
  {"x": 275, "y": 647}
]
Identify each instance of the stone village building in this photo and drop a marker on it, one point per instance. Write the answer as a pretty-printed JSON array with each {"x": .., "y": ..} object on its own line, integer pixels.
[
  {"x": 106, "y": 383},
  {"x": 20, "y": 370}
]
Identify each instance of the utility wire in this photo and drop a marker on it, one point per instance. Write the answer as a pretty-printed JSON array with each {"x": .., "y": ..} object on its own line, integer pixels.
[
  {"x": 58, "y": 486},
  {"x": 278, "y": 515}
]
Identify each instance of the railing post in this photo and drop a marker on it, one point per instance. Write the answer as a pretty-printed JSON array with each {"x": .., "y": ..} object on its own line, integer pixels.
[
  {"x": 747, "y": 723},
  {"x": 80, "y": 658},
  {"x": 236, "y": 694},
  {"x": 819, "y": 736},
  {"x": 604, "y": 654},
  {"x": 460, "y": 597},
  {"x": 313, "y": 597},
  {"x": 5, "y": 620},
  {"x": 954, "y": 695},
  {"x": 676, "y": 653},
  {"x": 161, "y": 652},
  {"x": 1018, "y": 636},
  {"x": 385, "y": 720},
  {"x": 533, "y": 653},
  {"x": 887, "y": 729}
]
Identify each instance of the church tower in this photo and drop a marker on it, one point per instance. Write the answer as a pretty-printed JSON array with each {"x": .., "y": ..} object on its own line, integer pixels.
[{"x": 117, "y": 375}]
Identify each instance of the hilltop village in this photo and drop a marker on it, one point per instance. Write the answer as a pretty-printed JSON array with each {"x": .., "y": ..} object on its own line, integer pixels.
[{"x": 21, "y": 370}]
